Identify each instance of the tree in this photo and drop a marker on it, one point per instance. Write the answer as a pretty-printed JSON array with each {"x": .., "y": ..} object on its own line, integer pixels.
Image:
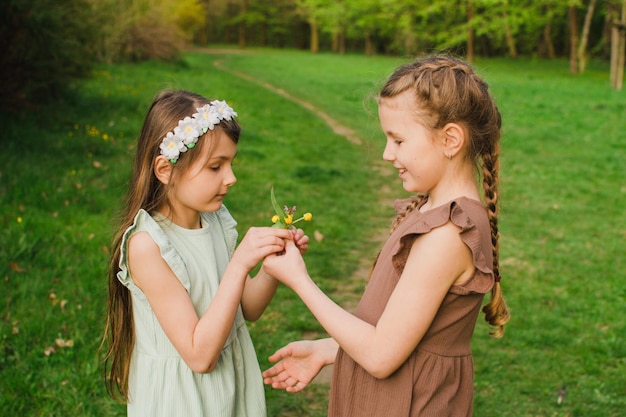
[
  {"x": 573, "y": 38},
  {"x": 618, "y": 42},
  {"x": 470, "y": 31},
  {"x": 310, "y": 11},
  {"x": 584, "y": 39}
]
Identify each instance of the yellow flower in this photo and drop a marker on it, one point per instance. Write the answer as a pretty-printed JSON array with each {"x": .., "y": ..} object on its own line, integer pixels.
[
  {"x": 275, "y": 218},
  {"x": 288, "y": 219},
  {"x": 307, "y": 217}
]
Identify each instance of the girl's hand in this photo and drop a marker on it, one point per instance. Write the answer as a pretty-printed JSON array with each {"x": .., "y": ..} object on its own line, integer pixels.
[
  {"x": 301, "y": 240},
  {"x": 258, "y": 243},
  {"x": 298, "y": 363},
  {"x": 287, "y": 267}
]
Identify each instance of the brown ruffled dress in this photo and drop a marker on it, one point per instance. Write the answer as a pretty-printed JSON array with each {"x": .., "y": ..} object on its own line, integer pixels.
[{"x": 438, "y": 377}]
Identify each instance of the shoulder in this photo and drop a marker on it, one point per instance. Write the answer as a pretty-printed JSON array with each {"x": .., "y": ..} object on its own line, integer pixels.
[
  {"x": 444, "y": 239},
  {"x": 142, "y": 244}
]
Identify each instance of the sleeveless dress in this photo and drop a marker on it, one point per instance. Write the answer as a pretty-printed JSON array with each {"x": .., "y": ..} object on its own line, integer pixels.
[
  {"x": 437, "y": 378},
  {"x": 160, "y": 382}
]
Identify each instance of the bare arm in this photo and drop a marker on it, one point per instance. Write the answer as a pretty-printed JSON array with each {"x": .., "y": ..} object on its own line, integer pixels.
[
  {"x": 436, "y": 261},
  {"x": 258, "y": 291},
  {"x": 199, "y": 340}
]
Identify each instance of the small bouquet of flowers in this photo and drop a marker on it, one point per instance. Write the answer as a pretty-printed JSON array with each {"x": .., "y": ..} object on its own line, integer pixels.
[{"x": 284, "y": 216}]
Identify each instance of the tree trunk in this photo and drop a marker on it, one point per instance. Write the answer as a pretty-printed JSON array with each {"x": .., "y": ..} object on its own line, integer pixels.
[
  {"x": 573, "y": 39},
  {"x": 510, "y": 40},
  {"x": 618, "y": 41},
  {"x": 342, "y": 41},
  {"x": 582, "y": 48},
  {"x": 369, "y": 45},
  {"x": 547, "y": 38},
  {"x": 263, "y": 34},
  {"x": 242, "y": 24},
  {"x": 315, "y": 38},
  {"x": 470, "y": 32},
  {"x": 203, "y": 33}
]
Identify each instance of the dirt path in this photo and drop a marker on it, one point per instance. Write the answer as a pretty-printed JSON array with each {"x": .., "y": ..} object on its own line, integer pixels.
[
  {"x": 337, "y": 127},
  {"x": 349, "y": 291}
]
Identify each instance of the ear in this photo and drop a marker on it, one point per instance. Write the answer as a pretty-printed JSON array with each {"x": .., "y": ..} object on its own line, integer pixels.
[
  {"x": 162, "y": 169},
  {"x": 454, "y": 136}
]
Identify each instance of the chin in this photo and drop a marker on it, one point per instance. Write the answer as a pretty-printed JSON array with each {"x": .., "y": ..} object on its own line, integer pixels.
[
  {"x": 409, "y": 188},
  {"x": 213, "y": 207}
]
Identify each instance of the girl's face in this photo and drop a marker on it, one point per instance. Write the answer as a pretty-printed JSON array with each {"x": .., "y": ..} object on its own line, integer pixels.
[
  {"x": 204, "y": 185},
  {"x": 412, "y": 148}
]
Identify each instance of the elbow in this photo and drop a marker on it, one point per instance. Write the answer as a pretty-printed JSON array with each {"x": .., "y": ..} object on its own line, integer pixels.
[
  {"x": 252, "y": 315},
  {"x": 203, "y": 368},
  {"x": 202, "y": 365},
  {"x": 381, "y": 369},
  {"x": 381, "y": 373}
]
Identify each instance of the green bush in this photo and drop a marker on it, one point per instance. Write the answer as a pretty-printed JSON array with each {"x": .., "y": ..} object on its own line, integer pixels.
[{"x": 45, "y": 45}]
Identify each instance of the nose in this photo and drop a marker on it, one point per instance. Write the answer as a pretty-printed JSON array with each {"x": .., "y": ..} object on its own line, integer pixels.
[
  {"x": 230, "y": 179},
  {"x": 388, "y": 155}
]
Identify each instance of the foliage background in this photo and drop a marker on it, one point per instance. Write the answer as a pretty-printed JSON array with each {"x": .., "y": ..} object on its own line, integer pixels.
[{"x": 45, "y": 44}]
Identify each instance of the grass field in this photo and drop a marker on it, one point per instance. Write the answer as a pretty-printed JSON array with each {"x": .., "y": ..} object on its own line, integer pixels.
[{"x": 563, "y": 224}]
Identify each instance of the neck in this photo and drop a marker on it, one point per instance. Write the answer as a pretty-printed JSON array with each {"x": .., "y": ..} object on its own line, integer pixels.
[
  {"x": 187, "y": 220},
  {"x": 458, "y": 183}
]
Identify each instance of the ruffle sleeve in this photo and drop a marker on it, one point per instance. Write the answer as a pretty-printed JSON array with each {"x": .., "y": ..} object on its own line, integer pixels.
[
  {"x": 414, "y": 226},
  {"x": 228, "y": 225},
  {"x": 144, "y": 222}
]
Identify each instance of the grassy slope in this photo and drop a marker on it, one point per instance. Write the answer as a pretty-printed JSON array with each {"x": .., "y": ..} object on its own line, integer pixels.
[{"x": 562, "y": 223}]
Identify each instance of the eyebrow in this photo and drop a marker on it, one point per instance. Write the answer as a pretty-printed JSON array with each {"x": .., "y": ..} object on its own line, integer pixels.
[{"x": 222, "y": 157}]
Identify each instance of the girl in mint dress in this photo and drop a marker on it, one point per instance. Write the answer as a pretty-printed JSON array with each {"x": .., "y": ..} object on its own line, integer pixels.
[{"x": 179, "y": 290}]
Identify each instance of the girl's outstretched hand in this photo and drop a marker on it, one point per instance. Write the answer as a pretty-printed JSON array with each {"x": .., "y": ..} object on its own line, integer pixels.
[
  {"x": 258, "y": 243},
  {"x": 298, "y": 363},
  {"x": 287, "y": 267}
]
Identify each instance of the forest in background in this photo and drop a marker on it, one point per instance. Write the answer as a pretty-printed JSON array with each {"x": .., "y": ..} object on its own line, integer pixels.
[{"x": 48, "y": 43}]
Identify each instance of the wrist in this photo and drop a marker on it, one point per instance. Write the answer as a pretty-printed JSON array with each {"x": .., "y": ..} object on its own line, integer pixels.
[
  {"x": 328, "y": 350},
  {"x": 303, "y": 284},
  {"x": 264, "y": 275},
  {"x": 237, "y": 270}
]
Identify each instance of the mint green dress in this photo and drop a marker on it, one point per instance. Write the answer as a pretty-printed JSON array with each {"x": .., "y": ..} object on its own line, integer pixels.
[{"x": 160, "y": 382}]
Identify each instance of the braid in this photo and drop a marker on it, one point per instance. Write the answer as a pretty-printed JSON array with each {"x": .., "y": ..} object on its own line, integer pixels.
[
  {"x": 415, "y": 201},
  {"x": 496, "y": 311},
  {"x": 413, "y": 204}
]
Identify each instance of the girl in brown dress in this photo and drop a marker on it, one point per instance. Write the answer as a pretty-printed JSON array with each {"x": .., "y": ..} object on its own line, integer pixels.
[{"x": 406, "y": 349}]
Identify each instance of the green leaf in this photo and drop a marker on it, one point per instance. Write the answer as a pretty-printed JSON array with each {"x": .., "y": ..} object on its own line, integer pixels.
[{"x": 277, "y": 209}]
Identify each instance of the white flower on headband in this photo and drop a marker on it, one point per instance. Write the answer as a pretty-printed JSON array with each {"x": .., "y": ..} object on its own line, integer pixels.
[
  {"x": 189, "y": 130},
  {"x": 224, "y": 111},
  {"x": 207, "y": 117},
  {"x": 172, "y": 146}
]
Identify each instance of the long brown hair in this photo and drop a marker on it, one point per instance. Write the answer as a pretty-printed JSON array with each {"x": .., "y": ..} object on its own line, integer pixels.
[
  {"x": 447, "y": 90},
  {"x": 146, "y": 192}
]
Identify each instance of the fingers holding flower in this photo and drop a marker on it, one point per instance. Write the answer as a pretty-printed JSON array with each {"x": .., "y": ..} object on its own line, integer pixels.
[
  {"x": 301, "y": 240},
  {"x": 288, "y": 267},
  {"x": 258, "y": 243}
]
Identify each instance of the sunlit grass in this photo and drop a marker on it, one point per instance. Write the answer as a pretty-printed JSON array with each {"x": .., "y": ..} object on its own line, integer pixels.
[{"x": 562, "y": 222}]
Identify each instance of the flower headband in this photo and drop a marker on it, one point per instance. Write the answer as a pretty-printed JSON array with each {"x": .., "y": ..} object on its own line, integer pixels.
[{"x": 189, "y": 130}]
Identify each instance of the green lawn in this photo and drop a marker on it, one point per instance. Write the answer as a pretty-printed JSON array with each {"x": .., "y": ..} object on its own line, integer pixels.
[{"x": 563, "y": 224}]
